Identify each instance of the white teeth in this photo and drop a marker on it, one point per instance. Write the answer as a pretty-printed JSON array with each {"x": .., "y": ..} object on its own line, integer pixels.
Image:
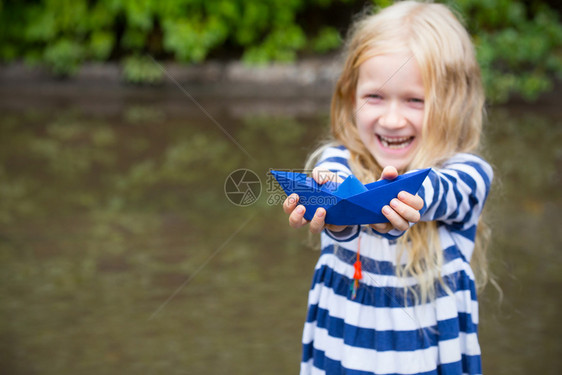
[{"x": 395, "y": 143}]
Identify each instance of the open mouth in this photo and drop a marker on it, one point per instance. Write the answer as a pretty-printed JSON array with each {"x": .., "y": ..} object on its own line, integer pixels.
[{"x": 395, "y": 143}]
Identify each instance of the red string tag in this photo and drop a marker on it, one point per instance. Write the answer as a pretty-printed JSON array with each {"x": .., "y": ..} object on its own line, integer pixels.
[{"x": 357, "y": 274}]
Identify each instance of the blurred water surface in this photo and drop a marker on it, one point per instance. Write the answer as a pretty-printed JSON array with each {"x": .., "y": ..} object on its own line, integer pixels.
[{"x": 120, "y": 253}]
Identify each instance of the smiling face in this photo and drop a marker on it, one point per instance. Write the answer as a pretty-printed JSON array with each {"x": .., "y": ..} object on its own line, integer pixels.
[{"x": 389, "y": 107}]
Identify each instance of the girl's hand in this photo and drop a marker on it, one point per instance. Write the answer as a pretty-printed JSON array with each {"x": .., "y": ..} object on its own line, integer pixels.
[
  {"x": 296, "y": 211},
  {"x": 402, "y": 210}
]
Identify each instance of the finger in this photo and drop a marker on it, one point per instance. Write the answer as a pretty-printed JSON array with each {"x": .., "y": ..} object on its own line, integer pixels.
[
  {"x": 406, "y": 212},
  {"x": 382, "y": 227},
  {"x": 389, "y": 173},
  {"x": 290, "y": 203},
  {"x": 321, "y": 175},
  {"x": 395, "y": 219},
  {"x": 317, "y": 222},
  {"x": 413, "y": 201},
  {"x": 335, "y": 228},
  {"x": 296, "y": 218}
]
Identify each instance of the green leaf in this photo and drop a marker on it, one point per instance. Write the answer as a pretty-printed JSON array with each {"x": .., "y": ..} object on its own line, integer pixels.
[
  {"x": 101, "y": 44},
  {"x": 327, "y": 39},
  {"x": 64, "y": 56}
]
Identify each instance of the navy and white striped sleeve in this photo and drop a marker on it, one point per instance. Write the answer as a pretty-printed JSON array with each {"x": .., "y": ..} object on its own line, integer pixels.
[
  {"x": 335, "y": 159},
  {"x": 456, "y": 193}
]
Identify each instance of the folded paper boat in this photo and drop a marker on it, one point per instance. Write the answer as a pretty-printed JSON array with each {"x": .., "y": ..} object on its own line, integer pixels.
[{"x": 349, "y": 202}]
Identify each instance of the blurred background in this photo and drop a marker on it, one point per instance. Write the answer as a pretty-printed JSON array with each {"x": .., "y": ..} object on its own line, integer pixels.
[{"x": 120, "y": 123}]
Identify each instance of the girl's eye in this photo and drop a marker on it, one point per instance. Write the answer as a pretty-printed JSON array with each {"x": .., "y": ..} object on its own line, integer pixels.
[
  {"x": 373, "y": 96},
  {"x": 416, "y": 102}
]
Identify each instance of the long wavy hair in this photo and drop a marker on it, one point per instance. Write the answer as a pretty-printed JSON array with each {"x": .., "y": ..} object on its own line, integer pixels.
[{"x": 453, "y": 115}]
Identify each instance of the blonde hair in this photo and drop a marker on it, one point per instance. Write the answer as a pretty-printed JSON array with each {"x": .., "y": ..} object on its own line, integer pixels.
[{"x": 454, "y": 101}]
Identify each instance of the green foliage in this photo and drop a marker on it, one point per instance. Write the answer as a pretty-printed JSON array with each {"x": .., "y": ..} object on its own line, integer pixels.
[
  {"x": 190, "y": 41},
  {"x": 101, "y": 44},
  {"x": 64, "y": 56},
  {"x": 279, "y": 45},
  {"x": 519, "y": 48},
  {"x": 519, "y": 43},
  {"x": 328, "y": 38},
  {"x": 141, "y": 69}
]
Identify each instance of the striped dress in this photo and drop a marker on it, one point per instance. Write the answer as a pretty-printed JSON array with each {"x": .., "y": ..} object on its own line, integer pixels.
[{"x": 383, "y": 330}]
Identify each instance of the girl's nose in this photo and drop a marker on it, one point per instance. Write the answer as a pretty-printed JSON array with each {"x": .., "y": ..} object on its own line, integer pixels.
[{"x": 392, "y": 117}]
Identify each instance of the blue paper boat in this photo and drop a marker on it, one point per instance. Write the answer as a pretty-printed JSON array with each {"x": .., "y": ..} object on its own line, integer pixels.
[{"x": 349, "y": 202}]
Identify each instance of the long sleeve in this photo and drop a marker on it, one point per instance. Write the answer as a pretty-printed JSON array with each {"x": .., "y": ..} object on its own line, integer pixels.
[
  {"x": 456, "y": 193},
  {"x": 453, "y": 194}
]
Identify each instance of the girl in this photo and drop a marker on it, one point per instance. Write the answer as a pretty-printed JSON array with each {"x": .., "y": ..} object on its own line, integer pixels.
[{"x": 400, "y": 297}]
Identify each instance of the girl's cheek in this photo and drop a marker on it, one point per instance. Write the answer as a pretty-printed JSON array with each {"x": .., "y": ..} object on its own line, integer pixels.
[
  {"x": 366, "y": 125},
  {"x": 365, "y": 119},
  {"x": 362, "y": 127}
]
